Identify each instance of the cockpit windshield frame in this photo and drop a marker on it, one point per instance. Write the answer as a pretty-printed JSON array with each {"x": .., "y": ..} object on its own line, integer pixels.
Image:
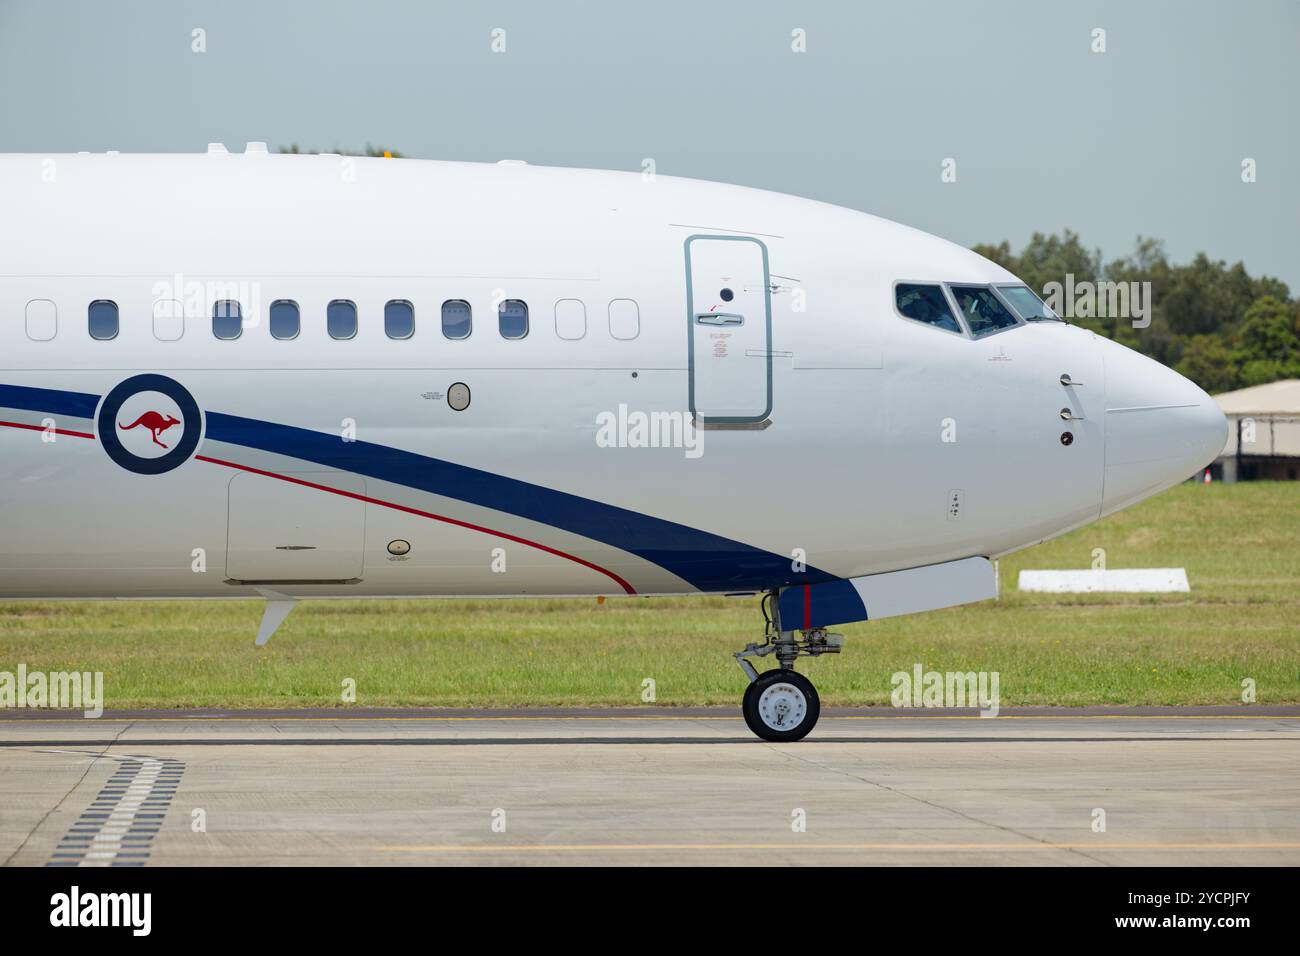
[
  {"x": 1000, "y": 297},
  {"x": 948, "y": 288},
  {"x": 1000, "y": 289},
  {"x": 961, "y": 332}
]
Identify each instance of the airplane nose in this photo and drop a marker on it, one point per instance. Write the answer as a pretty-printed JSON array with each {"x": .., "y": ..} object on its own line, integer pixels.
[{"x": 1160, "y": 428}]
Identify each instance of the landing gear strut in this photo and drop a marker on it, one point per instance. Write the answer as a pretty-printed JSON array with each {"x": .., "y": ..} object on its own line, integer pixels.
[{"x": 780, "y": 704}]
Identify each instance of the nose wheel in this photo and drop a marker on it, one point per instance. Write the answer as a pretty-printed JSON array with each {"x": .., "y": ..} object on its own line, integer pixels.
[{"x": 781, "y": 705}]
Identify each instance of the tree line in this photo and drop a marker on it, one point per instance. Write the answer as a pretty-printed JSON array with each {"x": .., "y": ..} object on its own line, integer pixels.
[{"x": 1212, "y": 322}]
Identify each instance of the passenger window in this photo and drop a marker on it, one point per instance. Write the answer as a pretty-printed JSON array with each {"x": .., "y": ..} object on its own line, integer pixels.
[
  {"x": 624, "y": 319},
  {"x": 227, "y": 322},
  {"x": 456, "y": 319},
  {"x": 570, "y": 319},
  {"x": 102, "y": 320},
  {"x": 925, "y": 303},
  {"x": 285, "y": 319},
  {"x": 42, "y": 320},
  {"x": 341, "y": 319},
  {"x": 512, "y": 318},
  {"x": 168, "y": 320},
  {"x": 983, "y": 311},
  {"x": 399, "y": 319}
]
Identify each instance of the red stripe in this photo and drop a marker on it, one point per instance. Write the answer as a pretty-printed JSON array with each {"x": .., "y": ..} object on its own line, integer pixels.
[
  {"x": 807, "y": 607},
  {"x": 427, "y": 514},
  {"x": 41, "y": 428}
]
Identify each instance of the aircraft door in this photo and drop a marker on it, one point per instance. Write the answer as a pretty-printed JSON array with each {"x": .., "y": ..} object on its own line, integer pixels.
[
  {"x": 729, "y": 317},
  {"x": 284, "y": 532}
]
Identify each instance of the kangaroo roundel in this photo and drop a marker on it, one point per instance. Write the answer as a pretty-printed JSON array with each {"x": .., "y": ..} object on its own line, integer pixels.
[{"x": 149, "y": 424}]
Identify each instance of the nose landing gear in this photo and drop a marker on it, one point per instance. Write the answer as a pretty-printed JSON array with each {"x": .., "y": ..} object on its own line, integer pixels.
[{"x": 781, "y": 705}]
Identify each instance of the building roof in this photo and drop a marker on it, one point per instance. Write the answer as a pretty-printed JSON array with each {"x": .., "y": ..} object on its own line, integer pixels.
[{"x": 1275, "y": 398}]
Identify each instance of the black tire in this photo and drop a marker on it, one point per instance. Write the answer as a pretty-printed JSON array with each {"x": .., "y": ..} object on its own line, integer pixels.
[
  {"x": 765, "y": 718},
  {"x": 746, "y": 700}
]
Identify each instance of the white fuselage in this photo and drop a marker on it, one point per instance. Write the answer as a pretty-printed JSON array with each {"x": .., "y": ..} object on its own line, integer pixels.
[{"x": 888, "y": 444}]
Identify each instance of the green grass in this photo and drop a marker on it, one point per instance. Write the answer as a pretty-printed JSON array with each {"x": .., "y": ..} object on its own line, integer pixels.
[{"x": 1239, "y": 543}]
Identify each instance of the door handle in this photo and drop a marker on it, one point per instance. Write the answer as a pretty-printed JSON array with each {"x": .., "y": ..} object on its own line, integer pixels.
[
  {"x": 1067, "y": 381},
  {"x": 719, "y": 318}
]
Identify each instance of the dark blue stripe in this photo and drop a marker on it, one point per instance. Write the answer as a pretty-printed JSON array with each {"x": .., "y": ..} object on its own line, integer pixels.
[
  {"x": 707, "y": 561},
  {"x": 832, "y": 602},
  {"x": 77, "y": 404}
]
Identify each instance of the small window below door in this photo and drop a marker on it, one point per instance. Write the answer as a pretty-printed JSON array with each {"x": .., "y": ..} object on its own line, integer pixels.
[
  {"x": 624, "y": 319},
  {"x": 570, "y": 319},
  {"x": 42, "y": 320}
]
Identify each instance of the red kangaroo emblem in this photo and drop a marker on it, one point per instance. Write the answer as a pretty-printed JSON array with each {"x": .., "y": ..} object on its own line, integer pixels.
[{"x": 153, "y": 421}]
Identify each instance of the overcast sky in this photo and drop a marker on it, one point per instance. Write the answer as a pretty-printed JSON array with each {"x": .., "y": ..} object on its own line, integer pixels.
[{"x": 1146, "y": 138}]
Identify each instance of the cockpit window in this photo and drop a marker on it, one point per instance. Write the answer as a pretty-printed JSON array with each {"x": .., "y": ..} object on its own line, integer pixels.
[
  {"x": 925, "y": 303},
  {"x": 983, "y": 311},
  {"x": 1027, "y": 305}
]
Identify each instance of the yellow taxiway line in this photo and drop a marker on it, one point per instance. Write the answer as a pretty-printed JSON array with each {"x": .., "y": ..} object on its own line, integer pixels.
[
  {"x": 601, "y": 847},
  {"x": 736, "y": 716}
]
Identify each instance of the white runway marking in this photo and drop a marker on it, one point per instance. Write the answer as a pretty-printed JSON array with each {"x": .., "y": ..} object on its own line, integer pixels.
[{"x": 121, "y": 823}]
